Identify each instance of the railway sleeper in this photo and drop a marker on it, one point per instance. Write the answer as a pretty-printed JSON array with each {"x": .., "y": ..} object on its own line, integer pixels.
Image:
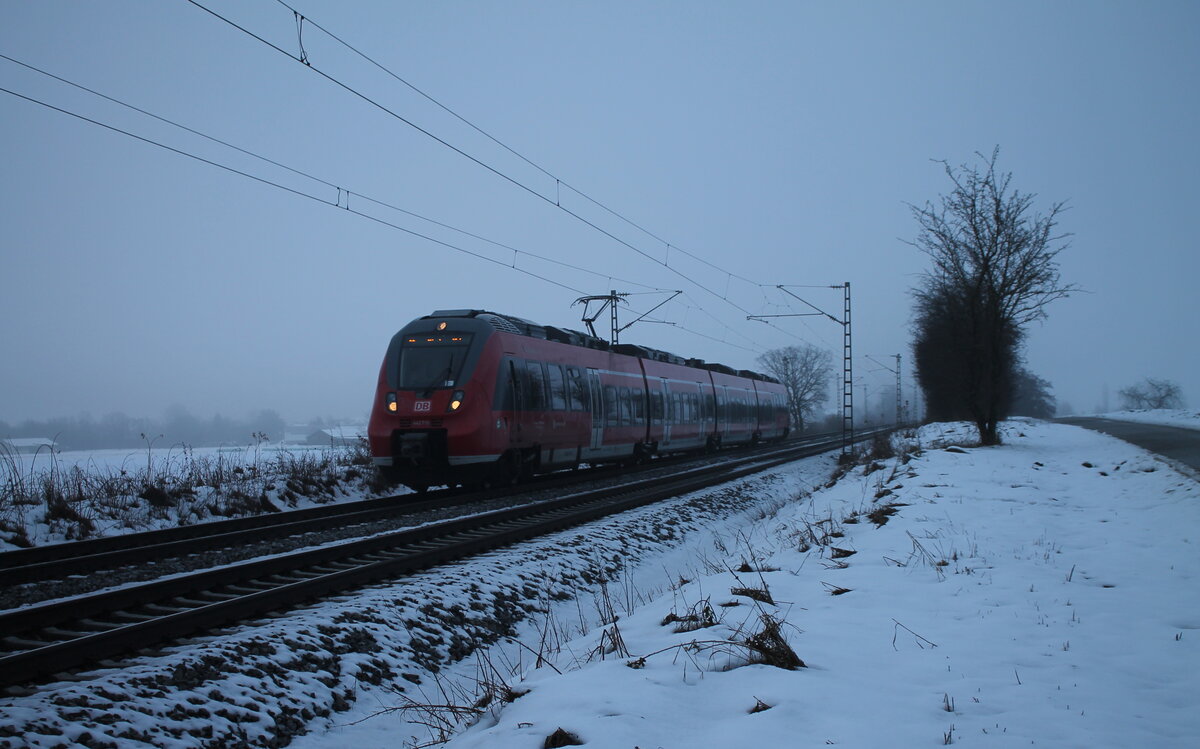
[
  {"x": 438, "y": 543},
  {"x": 296, "y": 576},
  {"x": 63, "y": 635},
  {"x": 249, "y": 588},
  {"x": 502, "y": 526},
  {"x": 371, "y": 558},
  {"x": 387, "y": 555},
  {"x": 291, "y": 576},
  {"x": 98, "y": 626},
  {"x": 21, "y": 644},
  {"x": 164, "y": 609},
  {"x": 221, "y": 595},
  {"x": 330, "y": 568},
  {"x": 130, "y": 617},
  {"x": 192, "y": 603}
]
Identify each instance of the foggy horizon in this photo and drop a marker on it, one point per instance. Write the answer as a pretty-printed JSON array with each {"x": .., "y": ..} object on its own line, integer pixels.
[{"x": 717, "y": 149}]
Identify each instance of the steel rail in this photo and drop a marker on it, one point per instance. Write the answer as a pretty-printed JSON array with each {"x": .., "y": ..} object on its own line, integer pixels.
[
  {"x": 46, "y": 639},
  {"x": 55, "y": 561}
]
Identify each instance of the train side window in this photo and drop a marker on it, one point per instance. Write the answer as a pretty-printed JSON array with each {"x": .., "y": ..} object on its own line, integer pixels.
[
  {"x": 558, "y": 388},
  {"x": 502, "y": 399},
  {"x": 535, "y": 393},
  {"x": 637, "y": 399},
  {"x": 611, "y": 407},
  {"x": 623, "y": 400},
  {"x": 577, "y": 390},
  {"x": 656, "y": 407}
]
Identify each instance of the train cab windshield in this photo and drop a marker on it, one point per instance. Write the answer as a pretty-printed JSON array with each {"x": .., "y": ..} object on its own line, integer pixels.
[{"x": 432, "y": 361}]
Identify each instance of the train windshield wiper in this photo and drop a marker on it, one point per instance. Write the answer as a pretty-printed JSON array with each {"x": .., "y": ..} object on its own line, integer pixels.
[{"x": 442, "y": 376}]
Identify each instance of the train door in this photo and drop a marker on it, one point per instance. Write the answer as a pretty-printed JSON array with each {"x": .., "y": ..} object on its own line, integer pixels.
[
  {"x": 536, "y": 402},
  {"x": 664, "y": 413},
  {"x": 518, "y": 401},
  {"x": 596, "y": 402}
]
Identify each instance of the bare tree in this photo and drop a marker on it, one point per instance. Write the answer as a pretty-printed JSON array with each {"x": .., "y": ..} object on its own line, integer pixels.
[
  {"x": 804, "y": 371},
  {"x": 1151, "y": 393},
  {"x": 994, "y": 272}
]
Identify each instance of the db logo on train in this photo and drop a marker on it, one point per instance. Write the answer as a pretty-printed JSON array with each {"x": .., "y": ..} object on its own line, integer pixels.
[{"x": 423, "y": 406}]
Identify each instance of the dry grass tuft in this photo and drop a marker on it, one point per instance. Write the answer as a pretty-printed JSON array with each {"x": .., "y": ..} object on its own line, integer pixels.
[
  {"x": 879, "y": 516},
  {"x": 700, "y": 616},
  {"x": 759, "y": 706},
  {"x": 562, "y": 738},
  {"x": 762, "y": 595},
  {"x": 769, "y": 647}
]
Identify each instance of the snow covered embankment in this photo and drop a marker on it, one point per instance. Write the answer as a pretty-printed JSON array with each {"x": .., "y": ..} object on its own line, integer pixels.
[
  {"x": 1161, "y": 416},
  {"x": 1043, "y": 592}
]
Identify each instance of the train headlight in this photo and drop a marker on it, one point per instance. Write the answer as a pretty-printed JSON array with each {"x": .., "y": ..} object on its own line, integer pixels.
[
  {"x": 392, "y": 406},
  {"x": 456, "y": 401}
]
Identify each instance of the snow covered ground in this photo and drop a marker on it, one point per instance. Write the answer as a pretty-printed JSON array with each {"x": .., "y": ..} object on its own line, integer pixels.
[
  {"x": 1164, "y": 416},
  {"x": 1046, "y": 591}
]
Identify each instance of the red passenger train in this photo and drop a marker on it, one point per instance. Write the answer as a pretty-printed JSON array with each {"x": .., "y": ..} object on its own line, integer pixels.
[{"x": 476, "y": 397}]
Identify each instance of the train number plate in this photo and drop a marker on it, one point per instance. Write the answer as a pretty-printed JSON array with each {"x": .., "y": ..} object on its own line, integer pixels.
[{"x": 425, "y": 406}]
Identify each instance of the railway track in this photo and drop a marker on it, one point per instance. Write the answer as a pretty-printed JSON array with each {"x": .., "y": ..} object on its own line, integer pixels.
[
  {"x": 43, "y": 640},
  {"x": 56, "y": 561}
]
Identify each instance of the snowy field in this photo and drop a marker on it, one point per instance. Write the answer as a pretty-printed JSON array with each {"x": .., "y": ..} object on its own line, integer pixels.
[
  {"x": 104, "y": 491},
  {"x": 156, "y": 460},
  {"x": 1164, "y": 416},
  {"x": 1045, "y": 592}
]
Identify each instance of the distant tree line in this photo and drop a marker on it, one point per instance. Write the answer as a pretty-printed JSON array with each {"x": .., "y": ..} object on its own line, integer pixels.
[{"x": 177, "y": 426}]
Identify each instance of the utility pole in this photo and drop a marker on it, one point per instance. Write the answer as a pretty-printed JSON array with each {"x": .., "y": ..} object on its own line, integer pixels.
[
  {"x": 847, "y": 364},
  {"x": 847, "y": 377},
  {"x": 899, "y": 391}
]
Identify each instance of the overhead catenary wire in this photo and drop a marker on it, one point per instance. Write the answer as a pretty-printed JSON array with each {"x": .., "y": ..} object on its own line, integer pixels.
[
  {"x": 280, "y": 186},
  {"x": 348, "y": 194},
  {"x": 303, "y": 59},
  {"x": 559, "y": 182},
  {"x": 340, "y": 191},
  {"x": 301, "y": 193}
]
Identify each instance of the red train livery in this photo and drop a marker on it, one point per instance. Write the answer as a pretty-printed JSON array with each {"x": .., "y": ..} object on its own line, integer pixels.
[{"x": 476, "y": 397}]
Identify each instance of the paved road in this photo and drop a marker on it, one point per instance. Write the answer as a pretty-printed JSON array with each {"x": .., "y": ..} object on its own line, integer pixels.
[{"x": 1175, "y": 443}]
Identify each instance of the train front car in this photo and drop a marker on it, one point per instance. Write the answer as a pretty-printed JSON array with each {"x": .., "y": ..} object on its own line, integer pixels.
[{"x": 431, "y": 422}]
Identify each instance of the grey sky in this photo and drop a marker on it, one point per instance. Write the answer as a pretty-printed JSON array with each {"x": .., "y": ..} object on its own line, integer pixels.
[{"x": 779, "y": 141}]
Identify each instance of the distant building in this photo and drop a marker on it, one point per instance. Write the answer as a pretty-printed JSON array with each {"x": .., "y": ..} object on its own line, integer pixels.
[
  {"x": 337, "y": 436},
  {"x": 28, "y": 445},
  {"x": 295, "y": 434}
]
